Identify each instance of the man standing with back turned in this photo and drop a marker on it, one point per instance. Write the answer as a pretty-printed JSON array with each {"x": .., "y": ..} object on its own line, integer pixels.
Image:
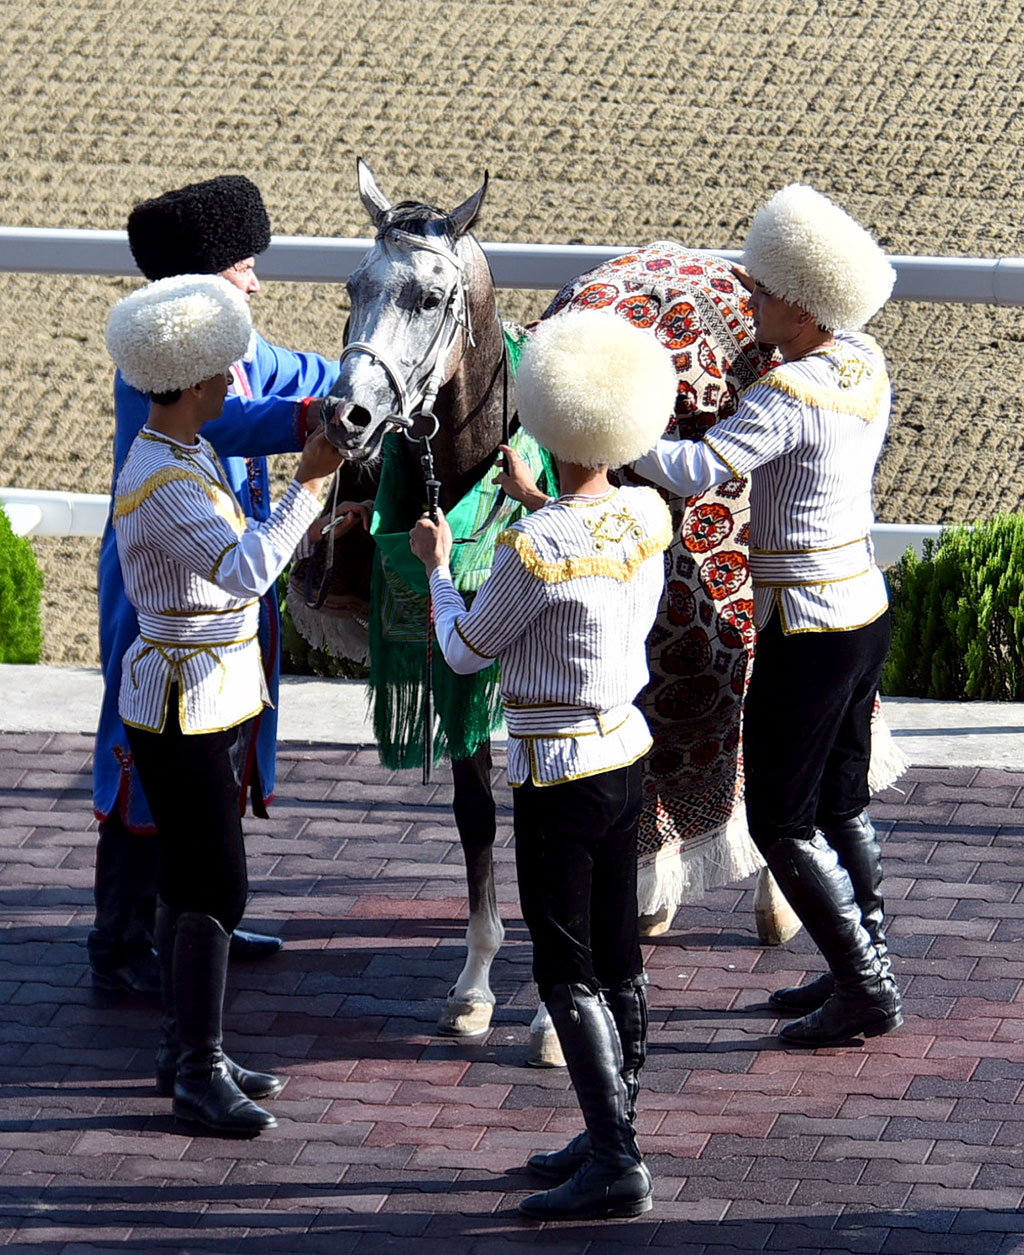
[{"x": 809, "y": 435}]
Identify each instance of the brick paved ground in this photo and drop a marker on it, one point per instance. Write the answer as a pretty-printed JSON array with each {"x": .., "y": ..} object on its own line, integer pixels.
[{"x": 394, "y": 1139}]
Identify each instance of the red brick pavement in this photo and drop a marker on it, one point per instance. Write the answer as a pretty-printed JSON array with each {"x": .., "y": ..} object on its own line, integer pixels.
[{"x": 391, "y": 1138}]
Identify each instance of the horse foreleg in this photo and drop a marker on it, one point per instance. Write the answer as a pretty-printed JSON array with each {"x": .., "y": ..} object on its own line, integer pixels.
[{"x": 470, "y": 1002}]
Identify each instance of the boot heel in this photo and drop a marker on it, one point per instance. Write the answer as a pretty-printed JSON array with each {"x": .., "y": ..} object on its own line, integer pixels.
[{"x": 885, "y": 1026}]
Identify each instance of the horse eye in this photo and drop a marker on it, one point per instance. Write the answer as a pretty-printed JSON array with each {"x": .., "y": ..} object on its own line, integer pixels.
[{"x": 430, "y": 300}]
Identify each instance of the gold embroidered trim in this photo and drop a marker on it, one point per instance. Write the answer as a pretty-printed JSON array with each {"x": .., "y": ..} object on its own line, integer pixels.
[
  {"x": 794, "y": 631},
  {"x": 568, "y": 736},
  {"x": 583, "y": 775},
  {"x": 722, "y": 458},
  {"x": 866, "y": 407},
  {"x": 128, "y": 502},
  {"x": 585, "y": 565},
  {"x": 469, "y": 644},
  {"x": 220, "y": 558},
  {"x": 574, "y": 502}
]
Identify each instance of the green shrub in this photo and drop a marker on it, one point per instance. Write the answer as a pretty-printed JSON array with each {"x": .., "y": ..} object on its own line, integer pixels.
[
  {"x": 958, "y": 617},
  {"x": 21, "y": 583}
]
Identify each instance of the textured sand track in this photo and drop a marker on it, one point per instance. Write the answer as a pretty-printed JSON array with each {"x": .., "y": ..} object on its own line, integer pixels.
[{"x": 601, "y": 123}]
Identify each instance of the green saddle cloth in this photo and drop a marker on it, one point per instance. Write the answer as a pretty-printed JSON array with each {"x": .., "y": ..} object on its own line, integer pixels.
[{"x": 468, "y": 708}]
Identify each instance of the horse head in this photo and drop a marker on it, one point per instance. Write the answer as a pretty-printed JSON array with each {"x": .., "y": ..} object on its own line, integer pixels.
[{"x": 411, "y": 322}]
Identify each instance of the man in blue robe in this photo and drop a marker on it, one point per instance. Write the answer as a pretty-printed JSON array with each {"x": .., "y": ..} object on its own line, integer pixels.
[{"x": 218, "y": 226}]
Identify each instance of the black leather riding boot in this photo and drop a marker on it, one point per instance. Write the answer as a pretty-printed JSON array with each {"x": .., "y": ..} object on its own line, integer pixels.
[
  {"x": 856, "y": 843},
  {"x": 628, "y": 1005},
  {"x": 203, "y": 1089},
  {"x": 866, "y": 1001},
  {"x": 121, "y": 941},
  {"x": 252, "y": 1084},
  {"x": 613, "y": 1180}
]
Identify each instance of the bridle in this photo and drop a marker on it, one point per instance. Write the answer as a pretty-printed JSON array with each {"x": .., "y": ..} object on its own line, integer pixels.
[
  {"x": 416, "y": 391},
  {"x": 415, "y": 396}
]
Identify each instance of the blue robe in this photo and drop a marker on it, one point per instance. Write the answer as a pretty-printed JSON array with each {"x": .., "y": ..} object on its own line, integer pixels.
[{"x": 249, "y": 429}]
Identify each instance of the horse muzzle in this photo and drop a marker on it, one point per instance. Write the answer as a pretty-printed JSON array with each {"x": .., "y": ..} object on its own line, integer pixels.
[{"x": 352, "y": 430}]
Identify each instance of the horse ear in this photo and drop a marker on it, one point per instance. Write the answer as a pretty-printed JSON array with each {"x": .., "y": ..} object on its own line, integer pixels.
[
  {"x": 466, "y": 213},
  {"x": 377, "y": 204}
]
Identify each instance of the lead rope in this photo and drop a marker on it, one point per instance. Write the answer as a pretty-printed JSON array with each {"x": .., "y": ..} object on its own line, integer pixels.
[{"x": 433, "y": 487}]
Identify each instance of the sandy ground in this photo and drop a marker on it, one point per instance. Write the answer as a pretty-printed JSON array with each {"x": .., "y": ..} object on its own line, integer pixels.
[{"x": 600, "y": 122}]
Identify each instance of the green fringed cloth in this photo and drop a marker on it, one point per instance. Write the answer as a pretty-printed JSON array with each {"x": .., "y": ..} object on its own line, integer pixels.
[{"x": 467, "y": 706}]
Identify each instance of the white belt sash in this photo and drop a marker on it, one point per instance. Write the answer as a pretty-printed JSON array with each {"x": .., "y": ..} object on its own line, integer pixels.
[
  {"x": 809, "y": 567},
  {"x": 528, "y": 722}
]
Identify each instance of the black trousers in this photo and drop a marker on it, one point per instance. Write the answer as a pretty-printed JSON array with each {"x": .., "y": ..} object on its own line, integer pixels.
[
  {"x": 192, "y": 786},
  {"x": 807, "y": 727},
  {"x": 576, "y": 864}
]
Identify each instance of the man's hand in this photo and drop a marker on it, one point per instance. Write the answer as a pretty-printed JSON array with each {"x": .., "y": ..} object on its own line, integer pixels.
[
  {"x": 432, "y": 542},
  {"x": 346, "y": 515},
  {"x": 515, "y": 480},
  {"x": 319, "y": 460},
  {"x": 744, "y": 276}
]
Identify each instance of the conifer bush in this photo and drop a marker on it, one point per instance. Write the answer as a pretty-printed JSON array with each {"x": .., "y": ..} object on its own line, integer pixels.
[
  {"x": 958, "y": 617},
  {"x": 21, "y": 584}
]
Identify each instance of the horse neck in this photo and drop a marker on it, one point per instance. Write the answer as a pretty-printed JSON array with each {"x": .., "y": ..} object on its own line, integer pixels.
[{"x": 471, "y": 407}]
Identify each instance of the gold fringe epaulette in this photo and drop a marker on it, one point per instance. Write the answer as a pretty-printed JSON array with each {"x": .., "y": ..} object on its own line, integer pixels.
[
  {"x": 584, "y": 565},
  {"x": 225, "y": 503},
  {"x": 867, "y": 405}
]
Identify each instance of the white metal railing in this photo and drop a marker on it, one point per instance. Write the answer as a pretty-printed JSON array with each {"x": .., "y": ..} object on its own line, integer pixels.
[
  {"x": 314, "y": 259},
  {"x": 307, "y": 259},
  {"x": 38, "y": 513}
]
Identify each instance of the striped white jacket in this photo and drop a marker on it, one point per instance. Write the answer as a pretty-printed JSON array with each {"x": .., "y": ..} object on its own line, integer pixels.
[
  {"x": 194, "y": 568},
  {"x": 809, "y": 435},
  {"x": 567, "y": 608}
]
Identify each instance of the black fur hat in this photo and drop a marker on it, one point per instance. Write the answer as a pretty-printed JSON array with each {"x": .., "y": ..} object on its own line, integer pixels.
[{"x": 203, "y": 228}]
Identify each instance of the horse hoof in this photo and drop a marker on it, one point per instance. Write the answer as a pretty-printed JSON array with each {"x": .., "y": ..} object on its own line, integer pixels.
[
  {"x": 545, "y": 1050},
  {"x": 465, "y": 1017},
  {"x": 776, "y": 920},
  {"x": 658, "y": 923}
]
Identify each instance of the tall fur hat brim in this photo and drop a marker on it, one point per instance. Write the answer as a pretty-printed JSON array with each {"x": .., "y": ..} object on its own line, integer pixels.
[
  {"x": 803, "y": 248},
  {"x": 594, "y": 389},
  {"x": 202, "y": 228},
  {"x": 178, "y": 332}
]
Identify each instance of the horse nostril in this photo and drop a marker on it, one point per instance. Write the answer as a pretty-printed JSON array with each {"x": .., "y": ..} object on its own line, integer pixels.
[{"x": 358, "y": 416}]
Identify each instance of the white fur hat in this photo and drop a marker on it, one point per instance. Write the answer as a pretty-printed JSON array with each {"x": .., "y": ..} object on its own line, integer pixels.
[
  {"x": 803, "y": 248},
  {"x": 177, "y": 332},
  {"x": 594, "y": 389}
]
